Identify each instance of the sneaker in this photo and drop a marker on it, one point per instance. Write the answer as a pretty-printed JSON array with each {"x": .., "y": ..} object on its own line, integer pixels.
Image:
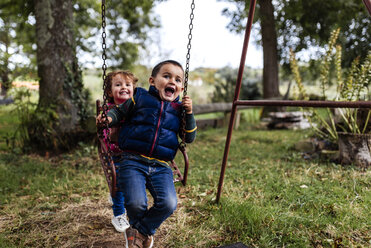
[
  {"x": 133, "y": 238},
  {"x": 120, "y": 223},
  {"x": 148, "y": 242},
  {"x": 110, "y": 202}
]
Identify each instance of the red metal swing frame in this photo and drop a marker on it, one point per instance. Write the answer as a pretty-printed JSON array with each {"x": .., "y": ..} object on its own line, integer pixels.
[{"x": 237, "y": 102}]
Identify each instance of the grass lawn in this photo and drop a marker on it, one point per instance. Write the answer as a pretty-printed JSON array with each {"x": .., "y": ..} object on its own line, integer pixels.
[{"x": 271, "y": 197}]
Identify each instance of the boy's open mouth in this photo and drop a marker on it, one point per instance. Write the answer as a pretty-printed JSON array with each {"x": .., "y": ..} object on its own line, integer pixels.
[{"x": 169, "y": 91}]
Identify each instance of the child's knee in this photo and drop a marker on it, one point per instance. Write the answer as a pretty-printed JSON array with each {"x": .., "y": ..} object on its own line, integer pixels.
[
  {"x": 136, "y": 206},
  {"x": 169, "y": 205}
]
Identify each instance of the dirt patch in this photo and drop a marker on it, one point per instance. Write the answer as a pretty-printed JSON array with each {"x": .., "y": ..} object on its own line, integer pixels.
[{"x": 83, "y": 224}]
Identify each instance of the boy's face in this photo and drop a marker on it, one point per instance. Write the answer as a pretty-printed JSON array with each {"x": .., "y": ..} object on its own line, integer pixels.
[
  {"x": 168, "y": 82},
  {"x": 122, "y": 88}
]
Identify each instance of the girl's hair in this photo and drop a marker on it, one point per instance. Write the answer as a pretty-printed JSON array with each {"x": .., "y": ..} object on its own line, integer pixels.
[
  {"x": 108, "y": 82},
  {"x": 157, "y": 67}
]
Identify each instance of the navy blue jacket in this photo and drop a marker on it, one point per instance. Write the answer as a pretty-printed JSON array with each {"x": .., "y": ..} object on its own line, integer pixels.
[{"x": 152, "y": 126}]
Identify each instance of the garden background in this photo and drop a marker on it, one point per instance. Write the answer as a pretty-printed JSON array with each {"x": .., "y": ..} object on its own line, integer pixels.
[{"x": 276, "y": 193}]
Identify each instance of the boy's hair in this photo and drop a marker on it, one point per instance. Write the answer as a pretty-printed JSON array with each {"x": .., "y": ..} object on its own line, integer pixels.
[
  {"x": 108, "y": 81},
  {"x": 157, "y": 67}
]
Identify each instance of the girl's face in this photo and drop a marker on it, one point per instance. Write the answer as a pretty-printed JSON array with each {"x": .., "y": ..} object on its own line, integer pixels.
[
  {"x": 122, "y": 88},
  {"x": 168, "y": 82}
]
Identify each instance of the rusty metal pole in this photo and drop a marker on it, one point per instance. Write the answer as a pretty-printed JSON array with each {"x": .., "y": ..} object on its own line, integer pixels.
[
  {"x": 368, "y": 5},
  {"x": 300, "y": 103},
  {"x": 236, "y": 95}
]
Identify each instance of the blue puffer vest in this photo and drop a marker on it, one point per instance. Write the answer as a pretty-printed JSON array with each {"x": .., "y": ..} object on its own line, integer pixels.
[{"x": 152, "y": 127}]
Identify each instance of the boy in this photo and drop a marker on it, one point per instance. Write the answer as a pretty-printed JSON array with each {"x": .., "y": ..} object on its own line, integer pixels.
[{"x": 148, "y": 138}]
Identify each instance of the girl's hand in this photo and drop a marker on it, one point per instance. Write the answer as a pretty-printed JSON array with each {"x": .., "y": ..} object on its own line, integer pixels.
[
  {"x": 99, "y": 120},
  {"x": 187, "y": 104}
]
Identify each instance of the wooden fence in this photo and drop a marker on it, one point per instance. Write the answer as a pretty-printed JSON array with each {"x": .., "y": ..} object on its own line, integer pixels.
[{"x": 216, "y": 108}]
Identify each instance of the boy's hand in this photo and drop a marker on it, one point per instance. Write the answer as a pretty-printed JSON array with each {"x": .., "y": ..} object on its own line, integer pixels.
[
  {"x": 187, "y": 104},
  {"x": 100, "y": 120}
]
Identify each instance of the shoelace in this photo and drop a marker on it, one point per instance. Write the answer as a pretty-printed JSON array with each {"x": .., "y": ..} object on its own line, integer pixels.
[{"x": 122, "y": 221}]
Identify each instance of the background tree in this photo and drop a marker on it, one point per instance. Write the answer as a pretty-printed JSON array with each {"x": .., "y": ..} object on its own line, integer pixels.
[
  {"x": 128, "y": 23},
  {"x": 225, "y": 79},
  {"x": 5, "y": 54},
  {"x": 14, "y": 33},
  {"x": 61, "y": 92},
  {"x": 265, "y": 16},
  {"x": 306, "y": 24},
  {"x": 59, "y": 30},
  {"x": 302, "y": 25}
]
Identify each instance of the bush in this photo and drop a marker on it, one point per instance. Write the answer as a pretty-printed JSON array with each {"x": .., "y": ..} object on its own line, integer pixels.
[
  {"x": 354, "y": 88},
  {"x": 225, "y": 82}
]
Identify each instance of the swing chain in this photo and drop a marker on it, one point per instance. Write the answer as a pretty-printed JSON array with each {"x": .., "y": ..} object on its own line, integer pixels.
[
  {"x": 104, "y": 68},
  {"x": 191, "y": 16}
]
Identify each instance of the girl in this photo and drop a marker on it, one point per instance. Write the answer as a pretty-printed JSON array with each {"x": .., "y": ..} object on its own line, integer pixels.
[{"x": 119, "y": 86}]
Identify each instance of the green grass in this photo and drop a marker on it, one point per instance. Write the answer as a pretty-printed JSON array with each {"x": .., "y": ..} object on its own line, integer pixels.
[
  {"x": 94, "y": 82},
  {"x": 271, "y": 197},
  {"x": 8, "y": 123},
  {"x": 34, "y": 190}
]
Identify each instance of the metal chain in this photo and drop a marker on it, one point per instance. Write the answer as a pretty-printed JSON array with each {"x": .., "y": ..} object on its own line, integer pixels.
[
  {"x": 191, "y": 16},
  {"x": 188, "y": 57},
  {"x": 104, "y": 68}
]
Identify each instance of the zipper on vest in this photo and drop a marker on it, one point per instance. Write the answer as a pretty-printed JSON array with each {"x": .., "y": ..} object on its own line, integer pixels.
[{"x": 157, "y": 128}]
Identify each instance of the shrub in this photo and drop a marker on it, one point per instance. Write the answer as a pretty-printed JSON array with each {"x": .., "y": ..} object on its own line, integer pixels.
[{"x": 355, "y": 87}]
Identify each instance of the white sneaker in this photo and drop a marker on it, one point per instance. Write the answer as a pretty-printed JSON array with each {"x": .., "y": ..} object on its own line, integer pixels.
[
  {"x": 110, "y": 202},
  {"x": 120, "y": 223}
]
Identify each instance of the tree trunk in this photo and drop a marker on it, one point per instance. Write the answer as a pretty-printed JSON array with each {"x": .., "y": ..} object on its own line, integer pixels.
[
  {"x": 269, "y": 39},
  {"x": 5, "y": 84},
  {"x": 355, "y": 148},
  {"x": 60, "y": 78},
  {"x": 4, "y": 69}
]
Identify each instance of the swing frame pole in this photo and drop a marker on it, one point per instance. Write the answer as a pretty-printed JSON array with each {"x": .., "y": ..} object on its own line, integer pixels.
[
  {"x": 236, "y": 95},
  {"x": 297, "y": 103}
]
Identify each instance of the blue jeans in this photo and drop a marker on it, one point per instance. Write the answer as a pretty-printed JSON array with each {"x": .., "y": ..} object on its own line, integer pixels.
[
  {"x": 118, "y": 200},
  {"x": 133, "y": 178},
  {"x": 118, "y": 204}
]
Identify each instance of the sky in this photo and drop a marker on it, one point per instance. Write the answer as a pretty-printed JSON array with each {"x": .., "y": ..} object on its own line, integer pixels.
[{"x": 212, "y": 44}]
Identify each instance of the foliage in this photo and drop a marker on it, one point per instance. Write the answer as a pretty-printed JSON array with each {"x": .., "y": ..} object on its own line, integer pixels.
[
  {"x": 312, "y": 22},
  {"x": 271, "y": 198},
  {"x": 23, "y": 109},
  {"x": 225, "y": 81},
  {"x": 78, "y": 94},
  {"x": 10, "y": 49},
  {"x": 356, "y": 87},
  {"x": 305, "y": 24},
  {"x": 128, "y": 23},
  {"x": 36, "y": 128}
]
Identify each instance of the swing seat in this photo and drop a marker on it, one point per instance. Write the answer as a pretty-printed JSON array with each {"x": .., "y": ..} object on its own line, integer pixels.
[
  {"x": 104, "y": 157},
  {"x": 109, "y": 167},
  {"x": 178, "y": 177}
]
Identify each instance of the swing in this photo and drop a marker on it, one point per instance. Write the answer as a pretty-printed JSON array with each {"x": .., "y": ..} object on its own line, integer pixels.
[{"x": 104, "y": 151}]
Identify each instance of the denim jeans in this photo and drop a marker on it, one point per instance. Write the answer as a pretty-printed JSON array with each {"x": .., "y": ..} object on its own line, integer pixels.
[
  {"x": 118, "y": 204},
  {"x": 118, "y": 200},
  {"x": 134, "y": 177}
]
